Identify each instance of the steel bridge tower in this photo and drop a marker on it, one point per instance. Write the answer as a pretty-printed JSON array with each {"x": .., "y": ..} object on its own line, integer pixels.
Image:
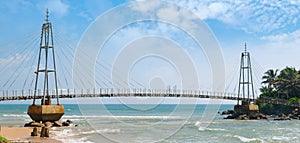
[
  {"x": 245, "y": 89},
  {"x": 46, "y": 66}
]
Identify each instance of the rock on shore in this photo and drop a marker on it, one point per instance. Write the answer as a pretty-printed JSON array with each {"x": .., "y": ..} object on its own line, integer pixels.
[
  {"x": 231, "y": 114},
  {"x": 48, "y": 124}
]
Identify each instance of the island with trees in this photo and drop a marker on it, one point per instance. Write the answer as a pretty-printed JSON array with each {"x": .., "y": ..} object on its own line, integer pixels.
[{"x": 281, "y": 85}]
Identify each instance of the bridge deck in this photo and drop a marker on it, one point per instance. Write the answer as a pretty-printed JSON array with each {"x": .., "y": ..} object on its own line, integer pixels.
[{"x": 88, "y": 93}]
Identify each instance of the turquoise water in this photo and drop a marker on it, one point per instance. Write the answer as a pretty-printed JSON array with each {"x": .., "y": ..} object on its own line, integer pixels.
[{"x": 157, "y": 123}]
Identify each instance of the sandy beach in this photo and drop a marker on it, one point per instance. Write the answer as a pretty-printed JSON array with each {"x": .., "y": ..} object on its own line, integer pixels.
[{"x": 22, "y": 134}]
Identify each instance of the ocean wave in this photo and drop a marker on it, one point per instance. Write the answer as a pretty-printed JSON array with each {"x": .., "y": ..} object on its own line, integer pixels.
[
  {"x": 68, "y": 139},
  {"x": 282, "y": 138},
  {"x": 144, "y": 117},
  {"x": 15, "y": 115},
  {"x": 197, "y": 123},
  {"x": 80, "y": 116},
  {"x": 110, "y": 131},
  {"x": 64, "y": 133},
  {"x": 211, "y": 129},
  {"x": 244, "y": 139},
  {"x": 215, "y": 129},
  {"x": 71, "y": 140},
  {"x": 81, "y": 119},
  {"x": 68, "y": 135},
  {"x": 123, "y": 117},
  {"x": 203, "y": 123}
]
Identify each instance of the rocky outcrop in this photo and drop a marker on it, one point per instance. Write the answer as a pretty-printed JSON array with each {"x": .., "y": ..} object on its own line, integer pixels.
[
  {"x": 33, "y": 124},
  {"x": 227, "y": 112},
  {"x": 45, "y": 127},
  {"x": 57, "y": 124},
  {"x": 262, "y": 116},
  {"x": 231, "y": 114},
  {"x": 66, "y": 124},
  {"x": 243, "y": 117},
  {"x": 49, "y": 124},
  {"x": 69, "y": 121},
  {"x": 281, "y": 117},
  {"x": 293, "y": 115}
]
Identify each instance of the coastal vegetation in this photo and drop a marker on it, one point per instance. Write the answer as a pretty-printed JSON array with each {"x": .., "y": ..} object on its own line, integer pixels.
[
  {"x": 3, "y": 140},
  {"x": 285, "y": 85}
]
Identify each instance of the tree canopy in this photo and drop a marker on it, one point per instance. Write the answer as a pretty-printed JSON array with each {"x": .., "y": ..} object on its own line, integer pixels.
[{"x": 285, "y": 85}]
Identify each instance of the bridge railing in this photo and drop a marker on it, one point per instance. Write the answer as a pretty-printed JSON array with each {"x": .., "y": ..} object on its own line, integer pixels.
[{"x": 109, "y": 92}]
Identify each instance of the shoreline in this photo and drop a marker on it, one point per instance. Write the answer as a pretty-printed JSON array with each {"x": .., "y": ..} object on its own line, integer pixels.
[{"x": 23, "y": 134}]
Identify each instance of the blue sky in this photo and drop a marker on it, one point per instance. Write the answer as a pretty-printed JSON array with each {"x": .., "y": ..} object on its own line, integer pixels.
[{"x": 270, "y": 28}]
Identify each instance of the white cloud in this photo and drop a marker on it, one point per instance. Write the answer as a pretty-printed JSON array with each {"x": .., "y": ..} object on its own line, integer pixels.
[
  {"x": 144, "y": 8},
  {"x": 251, "y": 16},
  {"x": 14, "y": 6},
  {"x": 13, "y": 59},
  {"x": 275, "y": 51},
  {"x": 212, "y": 10},
  {"x": 85, "y": 16},
  {"x": 286, "y": 37},
  {"x": 56, "y": 7}
]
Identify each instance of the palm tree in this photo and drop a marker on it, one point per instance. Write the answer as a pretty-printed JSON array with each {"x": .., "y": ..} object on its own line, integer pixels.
[
  {"x": 288, "y": 82},
  {"x": 270, "y": 78},
  {"x": 267, "y": 92}
]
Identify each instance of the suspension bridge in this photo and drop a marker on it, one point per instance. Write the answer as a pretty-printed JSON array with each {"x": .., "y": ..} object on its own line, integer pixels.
[{"x": 24, "y": 63}]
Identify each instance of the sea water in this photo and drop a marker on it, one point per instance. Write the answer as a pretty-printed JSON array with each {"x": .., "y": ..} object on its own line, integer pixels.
[{"x": 156, "y": 123}]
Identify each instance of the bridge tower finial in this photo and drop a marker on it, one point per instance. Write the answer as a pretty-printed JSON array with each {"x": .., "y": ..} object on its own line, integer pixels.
[{"x": 47, "y": 15}]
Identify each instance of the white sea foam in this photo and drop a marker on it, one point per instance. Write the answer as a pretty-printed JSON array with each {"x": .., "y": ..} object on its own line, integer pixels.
[
  {"x": 80, "y": 116},
  {"x": 210, "y": 129},
  {"x": 215, "y": 129},
  {"x": 124, "y": 117},
  {"x": 15, "y": 115},
  {"x": 204, "y": 122},
  {"x": 73, "y": 140},
  {"x": 244, "y": 139},
  {"x": 144, "y": 117},
  {"x": 68, "y": 135},
  {"x": 197, "y": 123},
  {"x": 65, "y": 133},
  {"x": 102, "y": 131},
  {"x": 282, "y": 138}
]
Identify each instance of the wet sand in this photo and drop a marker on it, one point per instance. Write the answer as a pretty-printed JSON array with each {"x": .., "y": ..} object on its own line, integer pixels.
[{"x": 19, "y": 134}]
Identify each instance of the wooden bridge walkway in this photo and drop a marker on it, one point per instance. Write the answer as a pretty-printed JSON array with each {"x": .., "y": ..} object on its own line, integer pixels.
[{"x": 109, "y": 92}]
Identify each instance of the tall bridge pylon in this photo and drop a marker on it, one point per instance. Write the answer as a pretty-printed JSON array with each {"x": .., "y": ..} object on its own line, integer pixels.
[
  {"x": 46, "y": 47},
  {"x": 245, "y": 89},
  {"x": 46, "y": 111}
]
